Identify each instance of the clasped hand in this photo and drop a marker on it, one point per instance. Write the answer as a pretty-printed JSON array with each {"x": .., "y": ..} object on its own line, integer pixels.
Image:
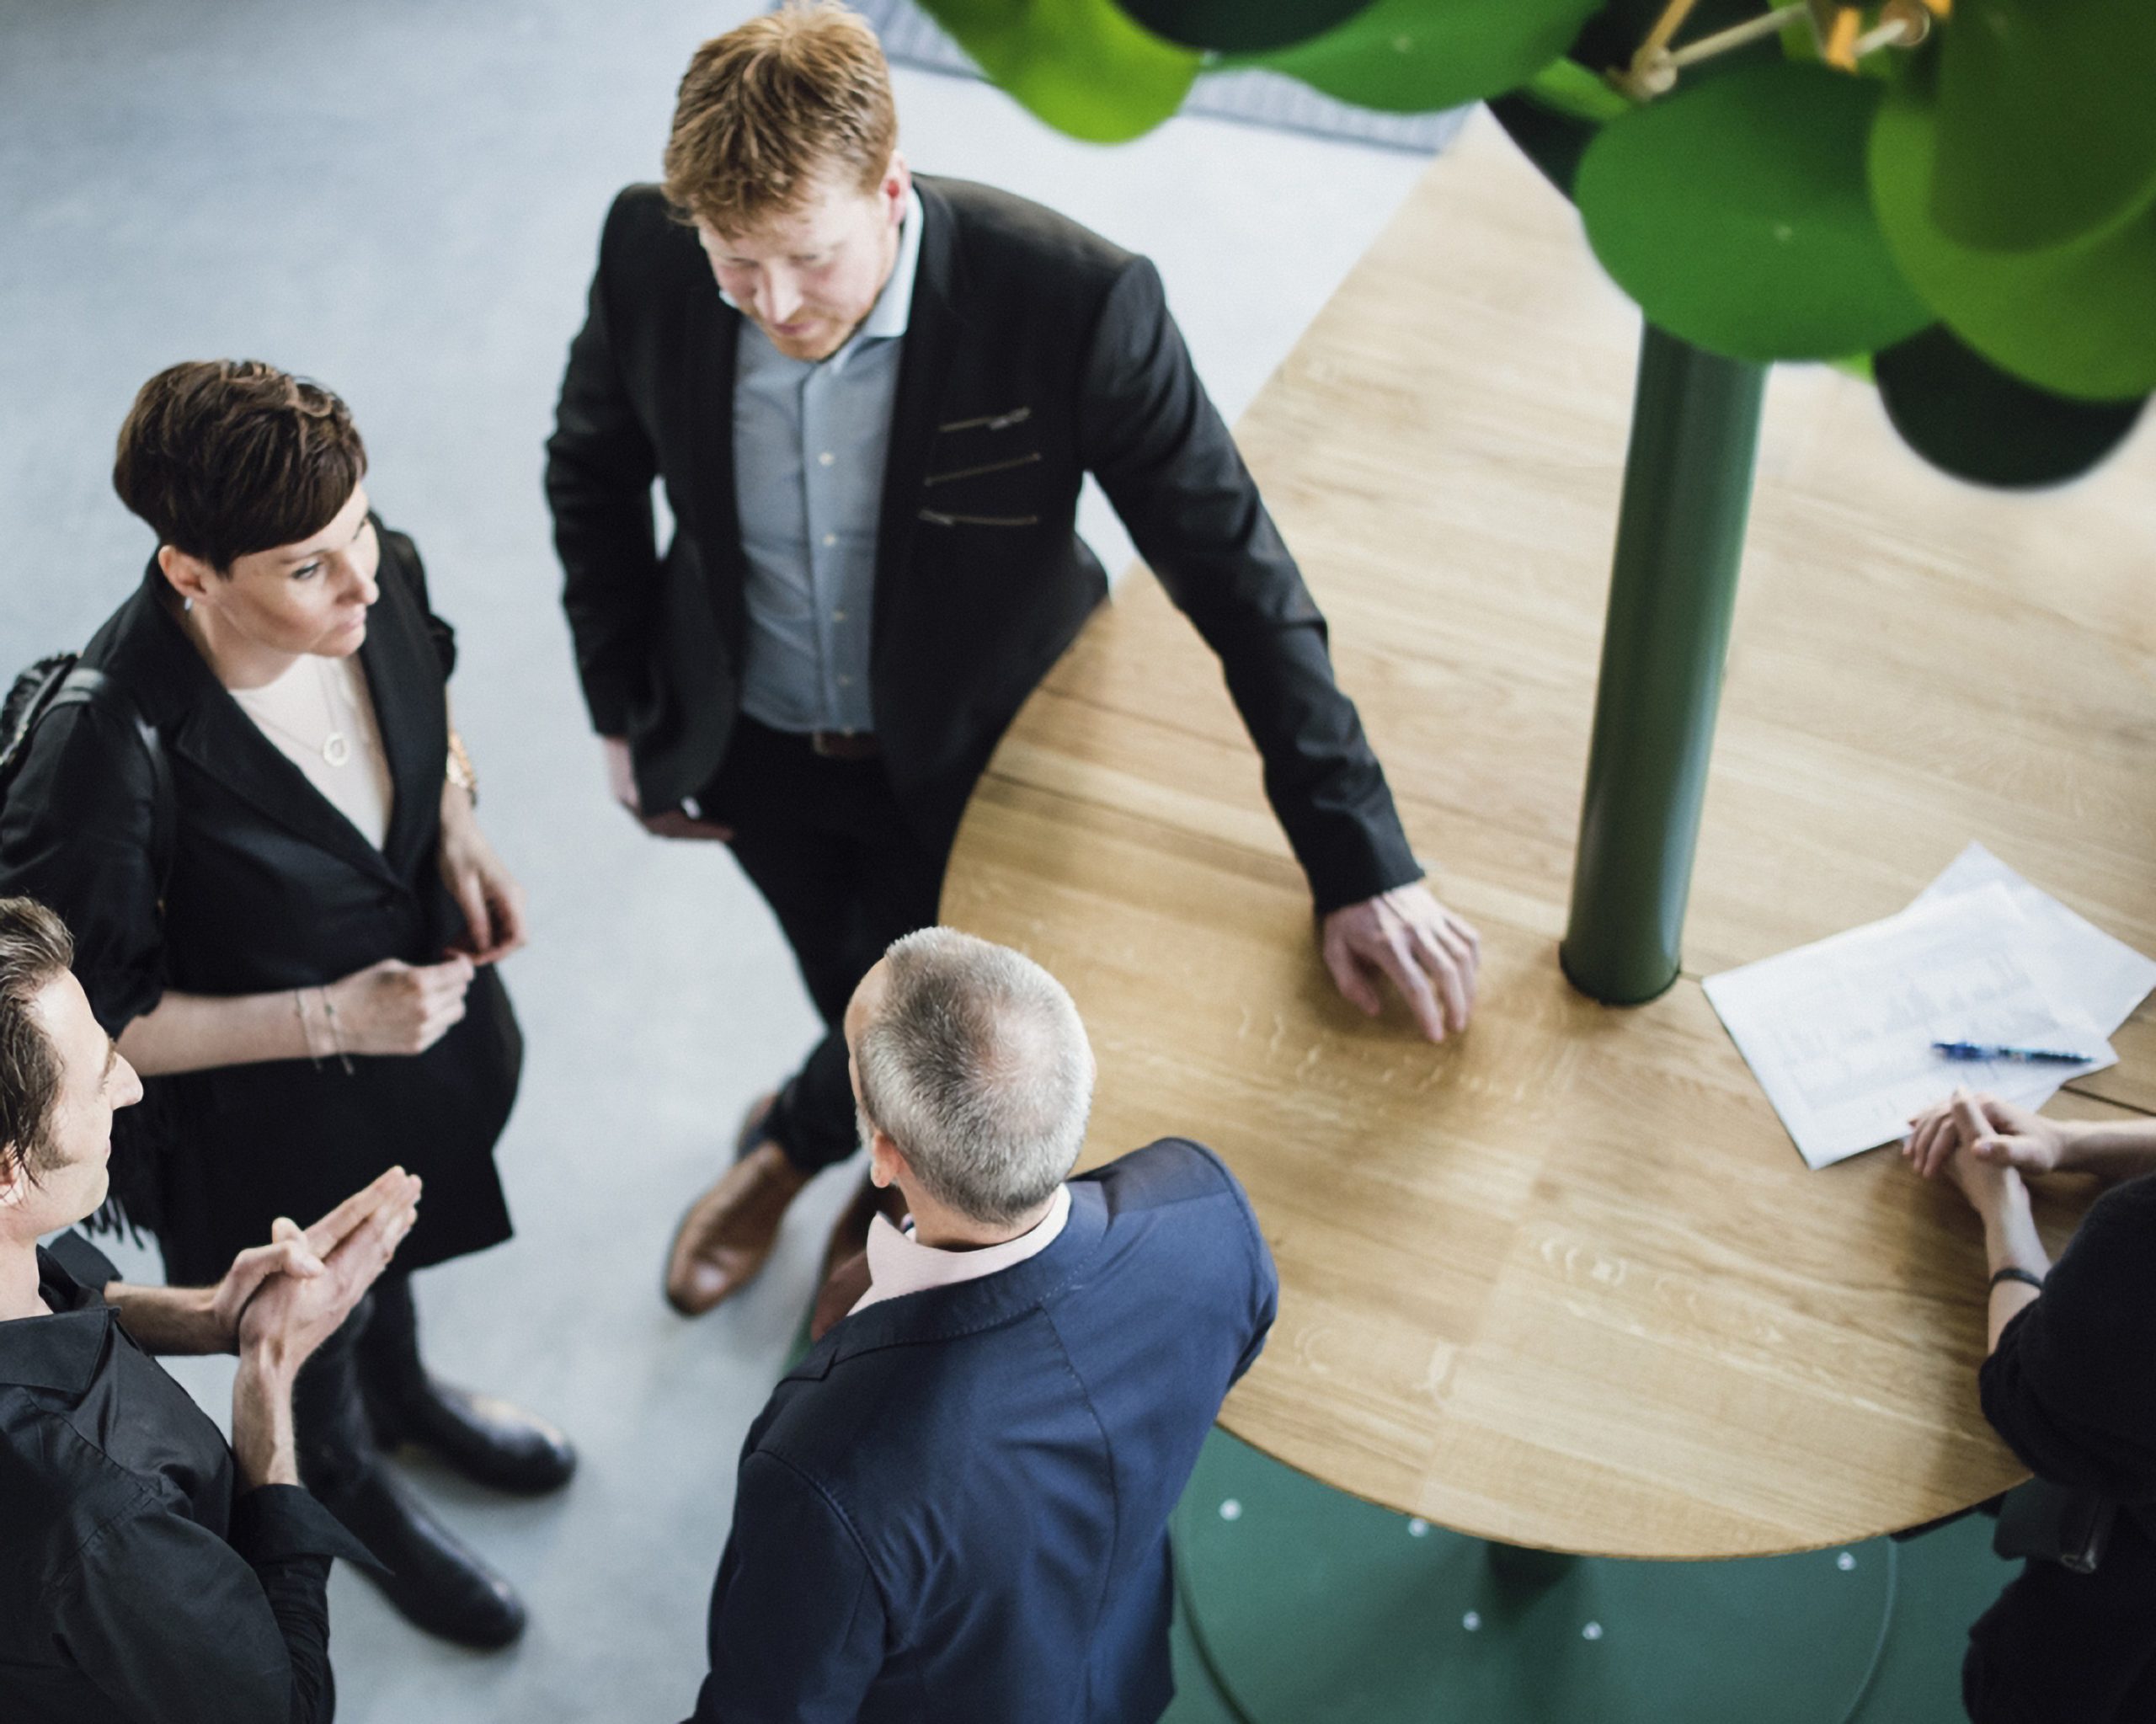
[
  {"x": 287, "y": 1296},
  {"x": 1983, "y": 1144},
  {"x": 394, "y": 1007}
]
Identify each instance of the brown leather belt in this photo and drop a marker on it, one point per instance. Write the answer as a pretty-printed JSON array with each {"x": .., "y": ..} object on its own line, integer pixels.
[{"x": 844, "y": 745}]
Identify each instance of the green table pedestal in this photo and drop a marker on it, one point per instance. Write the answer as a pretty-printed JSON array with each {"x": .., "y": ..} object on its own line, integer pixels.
[
  {"x": 1672, "y": 590},
  {"x": 1309, "y": 1607}
]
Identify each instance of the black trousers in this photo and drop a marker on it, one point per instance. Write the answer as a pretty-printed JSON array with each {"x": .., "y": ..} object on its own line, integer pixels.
[
  {"x": 2065, "y": 1648},
  {"x": 826, "y": 843},
  {"x": 377, "y": 1348}
]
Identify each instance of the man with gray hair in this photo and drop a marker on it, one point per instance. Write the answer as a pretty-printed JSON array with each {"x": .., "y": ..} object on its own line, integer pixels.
[{"x": 956, "y": 1508}]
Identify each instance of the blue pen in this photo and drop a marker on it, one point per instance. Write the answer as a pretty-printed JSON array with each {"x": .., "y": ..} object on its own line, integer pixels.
[{"x": 1992, "y": 1050}]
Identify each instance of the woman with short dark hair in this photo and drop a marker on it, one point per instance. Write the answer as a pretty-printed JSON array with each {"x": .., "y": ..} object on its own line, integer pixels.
[{"x": 261, "y": 832}]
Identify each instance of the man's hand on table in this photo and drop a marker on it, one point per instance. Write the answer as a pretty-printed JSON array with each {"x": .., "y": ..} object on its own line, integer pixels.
[{"x": 1429, "y": 954}]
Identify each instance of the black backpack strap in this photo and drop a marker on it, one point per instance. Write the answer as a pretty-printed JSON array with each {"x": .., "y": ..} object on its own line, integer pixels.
[{"x": 85, "y": 686}]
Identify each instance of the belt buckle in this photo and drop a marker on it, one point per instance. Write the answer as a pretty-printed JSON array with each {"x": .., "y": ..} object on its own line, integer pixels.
[{"x": 842, "y": 745}]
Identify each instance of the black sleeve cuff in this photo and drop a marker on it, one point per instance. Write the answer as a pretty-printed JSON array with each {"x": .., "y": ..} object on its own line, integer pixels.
[
  {"x": 274, "y": 1522},
  {"x": 1374, "y": 860},
  {"x": 87, "y": 1266}
]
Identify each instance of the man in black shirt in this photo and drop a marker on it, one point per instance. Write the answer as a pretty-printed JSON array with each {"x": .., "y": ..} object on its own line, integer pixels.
[
  {"x": 2069, "y": 1387},
  {"x": 148, "y": 1573}
]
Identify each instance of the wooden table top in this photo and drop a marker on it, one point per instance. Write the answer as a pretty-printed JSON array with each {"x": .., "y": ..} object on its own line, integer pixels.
[{"x": 1565, "y": 1282}]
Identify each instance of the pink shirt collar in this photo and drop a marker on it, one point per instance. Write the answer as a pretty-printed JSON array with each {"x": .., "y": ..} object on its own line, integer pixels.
[{"x": 900, "y": 1264}]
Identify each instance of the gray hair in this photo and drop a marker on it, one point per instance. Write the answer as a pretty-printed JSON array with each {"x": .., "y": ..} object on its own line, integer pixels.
[{"x": 976, "y": 1065}]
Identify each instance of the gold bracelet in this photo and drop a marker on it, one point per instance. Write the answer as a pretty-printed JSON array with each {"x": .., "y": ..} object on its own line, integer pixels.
[{"x": 457, "y": 769}]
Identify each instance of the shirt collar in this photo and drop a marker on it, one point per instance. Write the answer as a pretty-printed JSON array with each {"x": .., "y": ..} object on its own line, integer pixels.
[
  {"x": 894, "y": 308},
  {"x": 61, "y": 1352},
  {"x": 900, "y": 1264}
]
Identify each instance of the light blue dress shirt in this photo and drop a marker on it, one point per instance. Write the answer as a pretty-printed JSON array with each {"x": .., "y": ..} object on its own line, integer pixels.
[{"x": 809, "y": 439}]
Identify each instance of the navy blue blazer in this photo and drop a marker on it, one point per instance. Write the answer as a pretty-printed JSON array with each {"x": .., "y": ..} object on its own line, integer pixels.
[{"x": 956, "y": 1508}]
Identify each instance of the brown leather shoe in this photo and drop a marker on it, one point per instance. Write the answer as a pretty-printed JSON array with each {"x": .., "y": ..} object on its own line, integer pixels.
[
  {"x": 727, "y": 1232},
  {"x": 850, "y": 1233}
]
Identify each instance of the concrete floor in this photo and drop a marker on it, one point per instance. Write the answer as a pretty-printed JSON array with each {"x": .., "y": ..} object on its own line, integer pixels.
[{"x": 402, "y": 200}]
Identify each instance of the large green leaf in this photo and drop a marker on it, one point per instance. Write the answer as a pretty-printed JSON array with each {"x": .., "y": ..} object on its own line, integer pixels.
[
  {"x": 1735, "y": 211},
  {"x": 1410, "y": 56},
  {"x": 2046, "y": 120},
  {"x": 1972, "y": 420},
  {"x": 2078, "y": 320},
  {"x": 1080, "y": 65},
  {"x": 1241, "y": 26}
]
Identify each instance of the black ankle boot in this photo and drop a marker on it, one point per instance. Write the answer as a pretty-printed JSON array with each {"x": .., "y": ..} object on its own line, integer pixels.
[
  {"x": 488, "y": 1441},
  {"x": 435, "y": 1582}
]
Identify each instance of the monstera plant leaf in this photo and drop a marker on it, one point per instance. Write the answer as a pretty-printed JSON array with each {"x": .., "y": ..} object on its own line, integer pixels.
[
  {"x": 1968, "y": 418},
  {"x": 1410, "y": 56},
  {"x": 1082, "y": 66},
  {"x": 1239, "y": 26},
  {"x": 1736, "y": 211},
  {"x": 2044, "y": 121}
]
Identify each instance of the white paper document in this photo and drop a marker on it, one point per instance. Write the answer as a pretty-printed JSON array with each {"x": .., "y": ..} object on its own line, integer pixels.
[
  {"x": 2106, "y": 977},
  {"x": 1840, "y": 1032}
]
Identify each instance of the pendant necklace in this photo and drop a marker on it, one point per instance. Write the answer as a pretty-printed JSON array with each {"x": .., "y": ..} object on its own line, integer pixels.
[{"x": 336, "y": 747}]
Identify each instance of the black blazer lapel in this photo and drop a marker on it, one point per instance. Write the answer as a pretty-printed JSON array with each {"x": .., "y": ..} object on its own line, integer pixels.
[
  {"x": 221, "y": 739},
  {"x": 932, "y": 328},
  {"x": 403, "y": 676},
  {"x": 709, "y": 330}
]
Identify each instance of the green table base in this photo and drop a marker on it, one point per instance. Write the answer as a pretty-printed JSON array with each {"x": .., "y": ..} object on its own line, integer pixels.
[
  {"x": 1673, "y": 591},
  {"x": 1307, "y": 1605}
]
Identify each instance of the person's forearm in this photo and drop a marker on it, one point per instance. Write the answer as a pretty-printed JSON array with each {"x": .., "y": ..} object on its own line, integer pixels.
[
  {"x": 262, "y": 1450},
  {"x": 2011, "y": 1241},
  {"x": 195, "y": 1032},
  {"x": 2115, "y": 1149},
  {"x": 166, "y": 1320},
  {"x": 458, "y": 808}
]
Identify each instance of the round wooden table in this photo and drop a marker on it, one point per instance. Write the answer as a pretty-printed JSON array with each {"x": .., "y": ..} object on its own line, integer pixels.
[{"x": 1565, "y": 1283}]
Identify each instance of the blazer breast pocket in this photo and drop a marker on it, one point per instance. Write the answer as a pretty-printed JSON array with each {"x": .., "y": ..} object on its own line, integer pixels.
[{"x": 984, "y": 472}]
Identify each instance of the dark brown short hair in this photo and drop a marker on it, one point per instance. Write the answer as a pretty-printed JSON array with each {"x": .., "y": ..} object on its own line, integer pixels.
[
  {"x": 225, "y": 457},
  {"x": 34, "y": 947},
  {"x": 770, "y": 109}
]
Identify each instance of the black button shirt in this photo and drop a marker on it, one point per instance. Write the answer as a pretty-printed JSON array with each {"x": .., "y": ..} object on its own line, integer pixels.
[{"x": 135, "y": 1588}]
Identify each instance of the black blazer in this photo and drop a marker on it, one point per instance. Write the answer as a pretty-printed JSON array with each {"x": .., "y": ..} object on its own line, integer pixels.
[
  {"x": 270, "y": 888},
  {"x": 1036, "y": 352}
]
